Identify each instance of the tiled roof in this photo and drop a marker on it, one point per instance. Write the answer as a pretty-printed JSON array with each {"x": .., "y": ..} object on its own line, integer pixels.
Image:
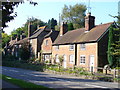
[
  {"x": 80, "y": 36},
  {"x": 11, "y": 43},
  {"x": 53, "y": 35},
  {"x": 22, "y": 41},
  {"x": 43, "y": 31}
]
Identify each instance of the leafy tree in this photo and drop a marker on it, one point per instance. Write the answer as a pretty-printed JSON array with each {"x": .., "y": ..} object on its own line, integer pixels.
[
  {"x": 35, "y": 22},
  {"x": 114, "y": 45},
  {"x": 5, "y": 39},
  {"x": 24, "y": 52},
  {"x": 70, "y": 26},
  {"x": 24, "y": 29},
  {"x": 8, "y": 13},
  {"x": 52, "y": 23},
  {"x": 74, "y": 14}
]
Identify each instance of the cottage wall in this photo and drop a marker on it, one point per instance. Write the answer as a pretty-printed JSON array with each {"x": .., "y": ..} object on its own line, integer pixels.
[
  {"x": 46, "y": 48},
  {"x": 102, "y": 50},
  {"x": 33, "y": 43},
  {"x": 90, "y": 49},
  {"x": 64, "y": 50}
]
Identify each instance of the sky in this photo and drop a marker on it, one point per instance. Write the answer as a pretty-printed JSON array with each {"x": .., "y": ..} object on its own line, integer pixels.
[{"x": 47, "y": 9}]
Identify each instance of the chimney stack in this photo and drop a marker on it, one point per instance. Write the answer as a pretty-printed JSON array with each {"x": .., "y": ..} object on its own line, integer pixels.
[
  {"x": 63, "y": 28},
  {"x": 30, "y": 30},
  {"x": 89, "y": 22}
]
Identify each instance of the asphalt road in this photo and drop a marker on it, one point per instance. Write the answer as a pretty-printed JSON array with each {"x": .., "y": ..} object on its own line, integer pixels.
[{"x": 56, "y": 81}]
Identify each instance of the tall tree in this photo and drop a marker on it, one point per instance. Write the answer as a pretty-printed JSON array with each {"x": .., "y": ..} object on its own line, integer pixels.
[
  {"x": 70, "y": 26},
  {"x": 34, "y": 21},
  {"x": 5, "y": 39},
  {"x": 74, "y": 14},
  {"x": 52, "y": 23},
  {"x": 8, "y": 13},
  {"x": 114, "y": 45}
]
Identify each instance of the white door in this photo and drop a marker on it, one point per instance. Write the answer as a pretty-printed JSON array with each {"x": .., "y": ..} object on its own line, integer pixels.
[
  {"x": 64, "y": 62},
  {"x": 91, "y": 63}
]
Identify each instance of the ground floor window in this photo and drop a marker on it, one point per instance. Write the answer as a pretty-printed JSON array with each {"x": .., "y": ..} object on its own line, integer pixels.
[
  {"x": 82, "y": 59},
  {"x": 56, "y": 58},
  {"x": 47, "y": 57}
]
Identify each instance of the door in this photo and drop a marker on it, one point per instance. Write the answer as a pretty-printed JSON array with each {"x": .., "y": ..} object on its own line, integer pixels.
[
  {"x": 64, "y": 62},
  {"x": 91, "y": 63}
]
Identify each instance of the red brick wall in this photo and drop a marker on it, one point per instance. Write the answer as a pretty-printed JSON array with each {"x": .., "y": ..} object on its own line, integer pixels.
[
  {"x": 91, "y": 49},
  {"x": 46, "y": 48}
]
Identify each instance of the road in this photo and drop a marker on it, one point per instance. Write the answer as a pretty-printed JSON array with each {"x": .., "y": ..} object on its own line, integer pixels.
[{"x": 55, "y": 81}]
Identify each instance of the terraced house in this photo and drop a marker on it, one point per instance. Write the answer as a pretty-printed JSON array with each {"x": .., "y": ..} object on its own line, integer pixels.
[{"x": 83, "y": 47}]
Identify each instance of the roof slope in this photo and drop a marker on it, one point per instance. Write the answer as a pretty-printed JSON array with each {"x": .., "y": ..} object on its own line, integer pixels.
[
  {"x": 22, "y": 41},
  {"x": 80, "y": 36},
  {"x": 41, "y": 31},
  {"x": 11, "y": 43},
  {"x": 53, "y": 35}
]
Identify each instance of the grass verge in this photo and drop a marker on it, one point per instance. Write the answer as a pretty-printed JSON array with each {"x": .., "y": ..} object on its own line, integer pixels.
[{"x": 23, "y": 84}]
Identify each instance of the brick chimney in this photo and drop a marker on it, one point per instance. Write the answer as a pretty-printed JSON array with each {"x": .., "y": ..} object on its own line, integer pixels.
[
  {"x": 89, "y": 22},
  {"x": 30, "y": 30},
  {"x": 22, "y": 36},
  {"x": 63, "y": 28}
]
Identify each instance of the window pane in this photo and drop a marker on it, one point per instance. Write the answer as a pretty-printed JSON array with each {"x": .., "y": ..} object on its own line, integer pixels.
[
  {"x": 82, "y": 46},
  {"x": 82, "y": 59},
  {"x": 71, "y": 47}
]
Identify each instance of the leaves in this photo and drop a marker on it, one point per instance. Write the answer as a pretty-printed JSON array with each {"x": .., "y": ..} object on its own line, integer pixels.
[
  {"x": 114, "y": 45},
  {"x": 74, "y": 14},
  {"x": 8, "y": 13}
]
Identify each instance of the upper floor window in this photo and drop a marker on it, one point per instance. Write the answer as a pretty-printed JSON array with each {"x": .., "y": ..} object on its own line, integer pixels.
[
  {"x": 82, "y": 47},
  {"x": 57, "y": 47},
  {"x": 46, "y": 42},
  {"x": 71, "y": 47},
  {"x": 71, "y": 58},
  {"x": 82, "y": 59}
]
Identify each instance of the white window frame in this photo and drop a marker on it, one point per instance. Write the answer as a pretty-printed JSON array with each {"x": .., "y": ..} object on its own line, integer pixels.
[
  {"x": 82, "y": 59},
  {"x": 57, "y": 58},
  {"x": 82, "y": 46},
  {"x": 71, "y": 58},
  {"x": 46, "y": 42},
  {"x": 71, "y": 47},
  {"x": 57, "y": 47}
]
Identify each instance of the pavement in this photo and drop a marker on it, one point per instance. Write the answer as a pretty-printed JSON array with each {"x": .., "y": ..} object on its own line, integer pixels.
[{"x": 58, "y": 81}]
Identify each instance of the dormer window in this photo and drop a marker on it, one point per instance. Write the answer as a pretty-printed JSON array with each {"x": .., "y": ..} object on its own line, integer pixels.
[{"x": 71, "y": 47}]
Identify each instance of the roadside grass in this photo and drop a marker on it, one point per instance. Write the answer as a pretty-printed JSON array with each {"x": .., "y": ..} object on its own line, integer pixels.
[{"x": 23, "y": 84}]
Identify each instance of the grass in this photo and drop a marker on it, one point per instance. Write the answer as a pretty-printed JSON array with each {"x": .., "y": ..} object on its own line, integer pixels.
[{"x": 23, "y": 84}]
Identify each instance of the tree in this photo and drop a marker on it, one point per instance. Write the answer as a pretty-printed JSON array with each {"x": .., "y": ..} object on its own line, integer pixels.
[
  {"x": 70, "y": 26},
  {"x": 114, "y": 45},
  {"x": 24, "y": 52},
  {"x": 74, "y": 14},
  {"x": 24, "y": 29},
  {"x": 35, "y": 22},
  {"x": 5, "y": 39},
  {"x": 8, "y": 13},
  {"x": 52, "y": 23}
]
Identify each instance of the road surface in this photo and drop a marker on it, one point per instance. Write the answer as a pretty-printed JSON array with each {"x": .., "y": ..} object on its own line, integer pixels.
[{"x": 56, "y": 81}]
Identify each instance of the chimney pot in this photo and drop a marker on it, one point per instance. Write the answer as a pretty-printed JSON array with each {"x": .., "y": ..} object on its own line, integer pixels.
[
  {"x": 89, "y": 22},
  {"x": 63, "y": 28}
]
